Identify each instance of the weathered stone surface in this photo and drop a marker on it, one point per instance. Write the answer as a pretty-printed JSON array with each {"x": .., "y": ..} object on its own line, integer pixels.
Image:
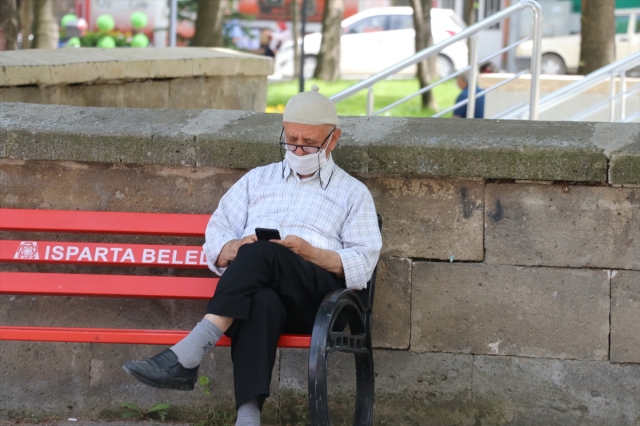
[
  {"x": 625, "y": 316},
  {"x": 490, "y": 149},
  {"x": 73, "y": 66},
  {"x": 388, "y": 145},
  {"x": 71, "y": 186},
  {"x": 110, "y": 386},
  {"x": 411, "y": 389},
  {"x": 423, "y": 389},
  {"x": 392, "y": 304},
  {"x": 533, "y": 392},
  {"x": 560, "y": 225},
  {"x": 509, "y": 310},
  {"x": 44, "y": 378},
  {"x": 624, "y": 166},
  {"x": 429, "y": 218}
]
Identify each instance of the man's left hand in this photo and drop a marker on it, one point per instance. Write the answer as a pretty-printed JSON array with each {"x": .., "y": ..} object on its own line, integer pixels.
[
  {"x": 326, "y": 259},
  {"x": 299, "y": 246}
]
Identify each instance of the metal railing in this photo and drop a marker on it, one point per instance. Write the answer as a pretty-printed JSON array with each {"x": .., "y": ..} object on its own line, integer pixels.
[
  {"x": 613, "y": 72},
  {"x": 470, "y": 32}
]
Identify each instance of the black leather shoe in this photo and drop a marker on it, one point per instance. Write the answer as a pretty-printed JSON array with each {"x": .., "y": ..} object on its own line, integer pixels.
[{"x": 163, "y": 371}]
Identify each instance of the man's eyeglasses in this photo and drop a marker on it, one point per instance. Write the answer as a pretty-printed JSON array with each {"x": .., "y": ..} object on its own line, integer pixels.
[{"x": 309, "y": 149}]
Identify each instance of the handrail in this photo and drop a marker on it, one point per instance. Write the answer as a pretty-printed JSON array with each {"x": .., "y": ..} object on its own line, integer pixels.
[
  {"x": 466, "y": 33},
  {"x": 574, "y": 89}
]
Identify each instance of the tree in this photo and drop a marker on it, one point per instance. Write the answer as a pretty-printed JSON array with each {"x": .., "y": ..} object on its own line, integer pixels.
[
  {"x": 424, "y": 39},
  {"x": 45, "y": 26},
  {"x": 9, "y": 24},
  {"x": 26, "y": 19},
  {"x": 328, "y": 63},
  {"x": 209, "y": 24},
  {"x": 597, "y": 45},
  {"x": 295, "y": 35},
  {"x": 469, "y": 12}
]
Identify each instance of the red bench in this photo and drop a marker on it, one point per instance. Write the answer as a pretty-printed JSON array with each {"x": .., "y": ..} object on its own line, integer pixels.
[{"x": 338, "y": 309}]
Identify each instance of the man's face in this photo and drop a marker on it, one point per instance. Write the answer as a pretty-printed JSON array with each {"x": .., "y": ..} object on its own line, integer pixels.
[{"x": 306, "y": 134}]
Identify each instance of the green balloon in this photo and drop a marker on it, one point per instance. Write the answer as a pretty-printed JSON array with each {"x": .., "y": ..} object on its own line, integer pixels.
[
  {"x": 139, "y": 20},
  {"x": 73, "y": 42},
  {"x": 105, "y": 23},
  {"x": 69, "y": 17},
  {"x": 139, "y": 40},
  {"x": 106, "y": 42}
]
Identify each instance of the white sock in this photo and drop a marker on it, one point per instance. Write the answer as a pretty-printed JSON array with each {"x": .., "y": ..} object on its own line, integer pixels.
[
  {"x": 249, "y": 414},
  {"x": 196, "y": 344}
]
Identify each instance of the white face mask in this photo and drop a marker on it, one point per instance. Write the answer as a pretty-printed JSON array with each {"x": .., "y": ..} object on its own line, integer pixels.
[{"x": 306, "y": 164}]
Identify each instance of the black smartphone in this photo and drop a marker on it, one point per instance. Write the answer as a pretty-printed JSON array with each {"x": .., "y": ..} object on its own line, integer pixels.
[{"x": 266, "y": 234}]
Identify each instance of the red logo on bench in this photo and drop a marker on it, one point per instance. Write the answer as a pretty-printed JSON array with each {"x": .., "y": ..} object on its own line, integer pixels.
[{"x": 27, "y": 250}]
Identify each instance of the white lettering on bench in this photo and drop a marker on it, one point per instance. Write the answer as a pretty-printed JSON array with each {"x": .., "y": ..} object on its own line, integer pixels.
[
  {"x": 191, "y": 254},
  {"x": 174, "y": 260},
  {"x": 115, "y": 251},
  {"x": 148, "y": 256},
  {"x": 102, "y": 253},
  {"x": 72, "y": 251},
  {"x": 58, "y": 253},
  {"x": 86, "y": 254},
  {"x": 203, "y": 258},
  {"x": 128, "y": 255},
  {"x": 162, "y": 254},
  {"x": 27, "y": 250}
]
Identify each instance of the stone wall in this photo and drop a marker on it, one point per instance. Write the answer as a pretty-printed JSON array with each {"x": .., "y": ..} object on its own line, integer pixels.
[
  {"x": 509, "y": 282},
  {"x": 179, "y": 78}
]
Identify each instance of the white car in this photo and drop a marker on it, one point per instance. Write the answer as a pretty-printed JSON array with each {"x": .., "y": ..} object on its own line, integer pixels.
[
  {"x": 561, "y": 54},
  {"x": 377, "y": 38}
]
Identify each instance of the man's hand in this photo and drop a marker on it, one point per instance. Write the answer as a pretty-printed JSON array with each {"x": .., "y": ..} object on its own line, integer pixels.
[
  {"x": 326, "y": 259},
  {"x": 230, "y": 250}
]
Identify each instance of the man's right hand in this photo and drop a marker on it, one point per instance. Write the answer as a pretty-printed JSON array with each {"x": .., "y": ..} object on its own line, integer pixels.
[{"x": 230, "y": 250}]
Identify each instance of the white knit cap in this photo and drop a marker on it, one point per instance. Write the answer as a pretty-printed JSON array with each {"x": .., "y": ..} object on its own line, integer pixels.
[{"x": 310, "y": 108}]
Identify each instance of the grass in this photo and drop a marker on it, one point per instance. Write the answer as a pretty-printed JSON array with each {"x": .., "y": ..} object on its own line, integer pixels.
[{"x": 384, "y": 93}]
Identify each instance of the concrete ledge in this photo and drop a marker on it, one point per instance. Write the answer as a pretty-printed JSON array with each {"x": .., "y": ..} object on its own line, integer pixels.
[
  {"x": 379, "y": 145},
  {"x": 625, "y": 165},
  {"x": 73, "y": 66}
]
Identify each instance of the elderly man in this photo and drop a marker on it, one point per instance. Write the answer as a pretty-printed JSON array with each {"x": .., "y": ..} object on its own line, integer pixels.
[{"x": 330, "y": 239}]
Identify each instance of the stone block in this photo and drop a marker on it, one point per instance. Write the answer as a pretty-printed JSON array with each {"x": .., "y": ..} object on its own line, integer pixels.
[
  {"x": 423, "y": 389},
  {"x": 31, "y": 94},
  {"x": 492, "y": 149},
  {"x": 624, "y": 166},
  {"x": 392, "y": 304},
  {"x": 509, "y": 310},
  {"x": 429, "y": 218},
  {"x": 533, "y": 392},
  {"x": 70, "y": 185},
  {"x": 43, "y": 379},
  {"x": 96, "y": 95},
  {"x": 562, "y": 225},
  {"x": 146, "y": 94},
  {"x": 625, "y": 316}
]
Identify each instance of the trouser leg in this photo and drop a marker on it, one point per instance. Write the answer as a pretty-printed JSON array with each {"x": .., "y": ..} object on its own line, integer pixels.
[{"x": 296, "y": 290}]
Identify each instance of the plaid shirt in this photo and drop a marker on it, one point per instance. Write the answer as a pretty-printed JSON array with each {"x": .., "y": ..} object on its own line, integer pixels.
[{"x": 341, "y": 218}]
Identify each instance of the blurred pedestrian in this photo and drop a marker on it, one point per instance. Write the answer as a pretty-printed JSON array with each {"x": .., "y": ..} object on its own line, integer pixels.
[
  {"x": 461, "y": 111},
  {"x": 280, "y": 36}
]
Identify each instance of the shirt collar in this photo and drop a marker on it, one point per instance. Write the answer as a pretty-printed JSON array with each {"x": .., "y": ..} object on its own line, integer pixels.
[{"x": 325, "y": 171}]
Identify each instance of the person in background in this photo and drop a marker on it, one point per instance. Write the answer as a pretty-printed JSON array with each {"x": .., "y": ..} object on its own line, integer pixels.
[
  {"x": 280, "y": 36},
  {"x": 461, "y": 111}
]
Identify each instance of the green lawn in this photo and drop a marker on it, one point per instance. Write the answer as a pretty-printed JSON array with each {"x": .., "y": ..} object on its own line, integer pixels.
[{"x": 384, "y": 93}]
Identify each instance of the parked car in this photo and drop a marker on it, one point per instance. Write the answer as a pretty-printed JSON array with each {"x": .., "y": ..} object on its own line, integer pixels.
[
  {"x": 378, "y": 38},
  {"x": 561, "y": 55}
]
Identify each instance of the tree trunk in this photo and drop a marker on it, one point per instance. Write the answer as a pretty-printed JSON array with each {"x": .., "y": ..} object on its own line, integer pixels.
[
  {"x": 424, "y": 39},
  {"x": 469, "y": 12},
  {"x": 328, "y": 67},
  {"x": 45, "y": 33},
  {"x": 597, "y": 46},
  {"x": 9, "y": 24},
  {"x": 295, "y": 34},
  {"x": 26, "y": 20},
  {"x": 209, "y": 24}
]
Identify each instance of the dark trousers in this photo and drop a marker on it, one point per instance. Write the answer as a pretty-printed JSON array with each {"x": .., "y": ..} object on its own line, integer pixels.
[{"x": 268, "y": 290}]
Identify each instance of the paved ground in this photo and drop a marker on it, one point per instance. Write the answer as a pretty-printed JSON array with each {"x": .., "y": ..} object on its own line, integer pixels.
[{"x": 80, "y": 422}]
